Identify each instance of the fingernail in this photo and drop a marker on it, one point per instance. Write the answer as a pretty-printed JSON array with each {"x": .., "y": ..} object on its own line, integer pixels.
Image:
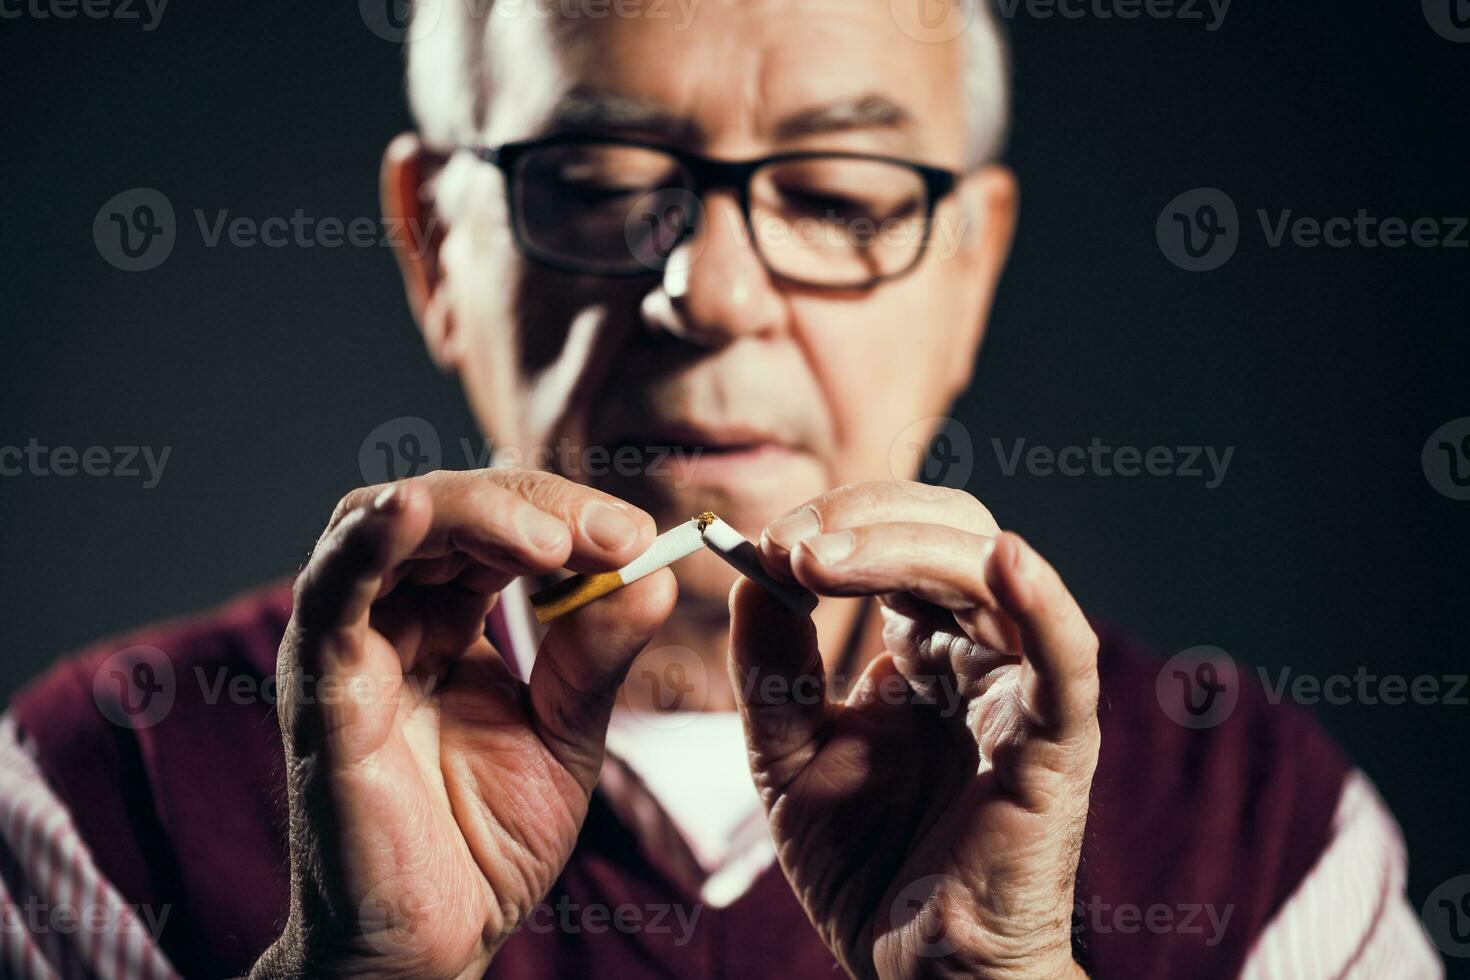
[
  {"x": 794, "y": 527},
  {"x": 542, "y": 530},
  {"x": 608, "y": 527},
  {"x": 388, "y": 501},
  {"x": 829, "y": 549},
  {"x": 1018, "y": 556}
]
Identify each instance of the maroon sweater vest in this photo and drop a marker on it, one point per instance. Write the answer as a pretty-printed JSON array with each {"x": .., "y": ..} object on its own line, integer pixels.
[{"x": 190, "y": 812}]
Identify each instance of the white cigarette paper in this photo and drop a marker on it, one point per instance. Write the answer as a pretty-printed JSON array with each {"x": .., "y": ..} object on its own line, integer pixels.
[
  {"x": 577, "y": 591},
  {"x": 741, "y": 555},
  {"x": 680, "y": 542}
]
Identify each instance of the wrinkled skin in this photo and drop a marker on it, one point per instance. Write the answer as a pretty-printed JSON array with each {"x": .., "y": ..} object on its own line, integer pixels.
[
  {"x": 434, "y": 797},
  {"x": 931, "y": 822},
  {"x": 921, "y": 842}
]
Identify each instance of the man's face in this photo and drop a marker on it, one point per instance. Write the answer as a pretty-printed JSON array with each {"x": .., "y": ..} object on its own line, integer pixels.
[{"x": 713, "y": 385}]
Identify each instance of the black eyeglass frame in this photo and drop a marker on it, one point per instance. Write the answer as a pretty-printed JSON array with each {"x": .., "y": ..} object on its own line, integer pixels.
[{"x": 708, "y": 174}]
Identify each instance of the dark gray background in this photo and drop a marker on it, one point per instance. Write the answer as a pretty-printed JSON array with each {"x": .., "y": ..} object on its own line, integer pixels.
[{"x": 1326, "y": 548}]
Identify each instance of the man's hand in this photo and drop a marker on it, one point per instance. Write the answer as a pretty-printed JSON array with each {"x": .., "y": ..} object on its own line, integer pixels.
[
  {"x": 931, "y": 823},
  {"x": 434, "y": 797}
]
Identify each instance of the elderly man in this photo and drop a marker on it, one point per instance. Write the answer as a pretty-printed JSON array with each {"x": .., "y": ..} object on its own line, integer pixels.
[{"x": 766, "y": 234}]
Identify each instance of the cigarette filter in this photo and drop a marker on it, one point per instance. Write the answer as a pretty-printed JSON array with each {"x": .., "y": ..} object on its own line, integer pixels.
[{"x": 572, "y": 594}]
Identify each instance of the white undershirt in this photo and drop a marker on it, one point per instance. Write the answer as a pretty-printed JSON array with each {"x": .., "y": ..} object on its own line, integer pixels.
[
  {"x": 694, "y": 765},
  {"x": 1349, "y": 917}
]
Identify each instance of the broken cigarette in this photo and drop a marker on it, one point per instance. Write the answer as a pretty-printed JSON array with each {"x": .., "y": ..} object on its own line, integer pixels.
[
  {"x": 574, "y": 593},
  {"x": 680, "y": 542},
  {"x": 742, "y": 556}
]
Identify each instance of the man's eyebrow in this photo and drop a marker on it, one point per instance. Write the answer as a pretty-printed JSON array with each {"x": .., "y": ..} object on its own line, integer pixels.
[
  {"x": 608, "y": 112},
  {"x": 583, "y": 110},
  {"x": 866, "y": 112}
]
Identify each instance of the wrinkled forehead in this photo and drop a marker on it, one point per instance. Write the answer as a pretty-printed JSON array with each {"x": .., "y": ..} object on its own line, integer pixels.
[{"x": 731, "y": 78}]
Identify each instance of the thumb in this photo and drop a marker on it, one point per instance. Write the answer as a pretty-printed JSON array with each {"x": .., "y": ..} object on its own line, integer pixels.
[
  {"x": 581, "y": 664},
  {"x": 1060, "y": 666},
  {"x": 780, "y": 684}
]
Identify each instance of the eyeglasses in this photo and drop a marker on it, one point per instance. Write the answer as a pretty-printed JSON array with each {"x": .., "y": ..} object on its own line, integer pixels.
[{"x": 621, "y": 207}]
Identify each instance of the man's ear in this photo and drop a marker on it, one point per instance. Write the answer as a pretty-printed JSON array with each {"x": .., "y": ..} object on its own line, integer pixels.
[
  {"x": 417, "y": 233},
  {"x": 990, "y": 200}
]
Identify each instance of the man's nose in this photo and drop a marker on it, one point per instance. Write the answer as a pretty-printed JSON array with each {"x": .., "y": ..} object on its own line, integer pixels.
[{"x": 715, "y": 287}]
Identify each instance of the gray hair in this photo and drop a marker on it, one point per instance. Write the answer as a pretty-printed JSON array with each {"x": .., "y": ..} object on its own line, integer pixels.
[{"x": 448, "y": 46}]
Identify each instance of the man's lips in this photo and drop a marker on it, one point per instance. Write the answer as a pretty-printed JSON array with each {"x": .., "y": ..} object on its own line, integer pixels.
[
  {"x": 724, "y": 439},
  {"x": 714, "y": 454}
]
